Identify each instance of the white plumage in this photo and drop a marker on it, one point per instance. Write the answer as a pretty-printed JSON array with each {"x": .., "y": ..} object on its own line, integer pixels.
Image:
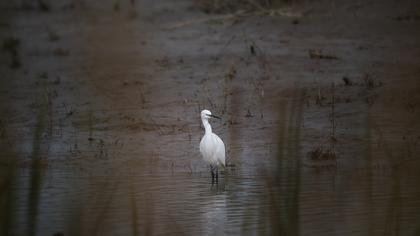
[{"x": 212, "y": 147}]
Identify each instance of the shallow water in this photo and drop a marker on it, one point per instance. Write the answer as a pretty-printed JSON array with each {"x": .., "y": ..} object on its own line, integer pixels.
[
  {"x": 290, "y": 201},
  {"x": 104, "y": 140}
]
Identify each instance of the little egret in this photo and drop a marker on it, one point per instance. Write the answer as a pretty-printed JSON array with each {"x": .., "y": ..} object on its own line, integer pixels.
[{"x": 211, "y": 146}]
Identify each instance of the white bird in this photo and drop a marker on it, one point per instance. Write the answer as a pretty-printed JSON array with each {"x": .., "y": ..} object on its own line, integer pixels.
[{"x": 212, "y": 147}]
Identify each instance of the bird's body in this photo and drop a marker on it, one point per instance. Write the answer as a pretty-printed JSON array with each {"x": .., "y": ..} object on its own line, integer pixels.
[{"x": 212, "y": 147}]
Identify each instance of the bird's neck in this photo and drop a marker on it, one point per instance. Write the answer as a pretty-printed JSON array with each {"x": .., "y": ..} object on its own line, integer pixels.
[{"x": 207, "y": 126}]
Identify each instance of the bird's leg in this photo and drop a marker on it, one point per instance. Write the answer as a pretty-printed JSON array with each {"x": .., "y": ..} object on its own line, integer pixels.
[
  {"x": 212, "y": 174},
  {"x": 217, "y": 174}
]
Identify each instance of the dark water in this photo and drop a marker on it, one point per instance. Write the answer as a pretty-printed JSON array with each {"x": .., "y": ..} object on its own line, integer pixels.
[
  {"x": 103, "y": 139},
  {"x": 247, "y": 200}
]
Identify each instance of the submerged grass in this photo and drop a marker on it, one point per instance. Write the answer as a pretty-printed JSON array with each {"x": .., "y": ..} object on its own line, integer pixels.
[
  {"x": 319, "y": 152},
  {"x": 7, "y": 182},
  {"x": 284, "y": 216},
  {"x": 36, "y": 166},
  {"x": 134, "y": 212},
  {"x": 90, "y": 124},
  {"x": 11, "y": 45}
]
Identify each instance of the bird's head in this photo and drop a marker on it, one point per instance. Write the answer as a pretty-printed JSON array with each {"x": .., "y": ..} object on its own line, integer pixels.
[{"x": 206, "y": 114}]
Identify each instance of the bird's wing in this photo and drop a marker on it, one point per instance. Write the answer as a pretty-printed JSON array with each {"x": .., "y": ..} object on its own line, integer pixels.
[{"x": 220, "y": 150}]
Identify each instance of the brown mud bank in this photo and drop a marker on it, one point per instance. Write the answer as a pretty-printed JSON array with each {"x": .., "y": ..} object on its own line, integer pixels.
[{"x": 99, "y": 117}]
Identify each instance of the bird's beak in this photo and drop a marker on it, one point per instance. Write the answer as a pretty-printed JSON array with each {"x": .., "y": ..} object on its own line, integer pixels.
[{"x": 215, "y": 117}]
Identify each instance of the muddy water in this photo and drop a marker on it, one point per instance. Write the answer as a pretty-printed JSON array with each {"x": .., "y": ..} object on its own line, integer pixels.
[
  {"x": 100, "y": 128},
  {"x": 123, "y": 201}
]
